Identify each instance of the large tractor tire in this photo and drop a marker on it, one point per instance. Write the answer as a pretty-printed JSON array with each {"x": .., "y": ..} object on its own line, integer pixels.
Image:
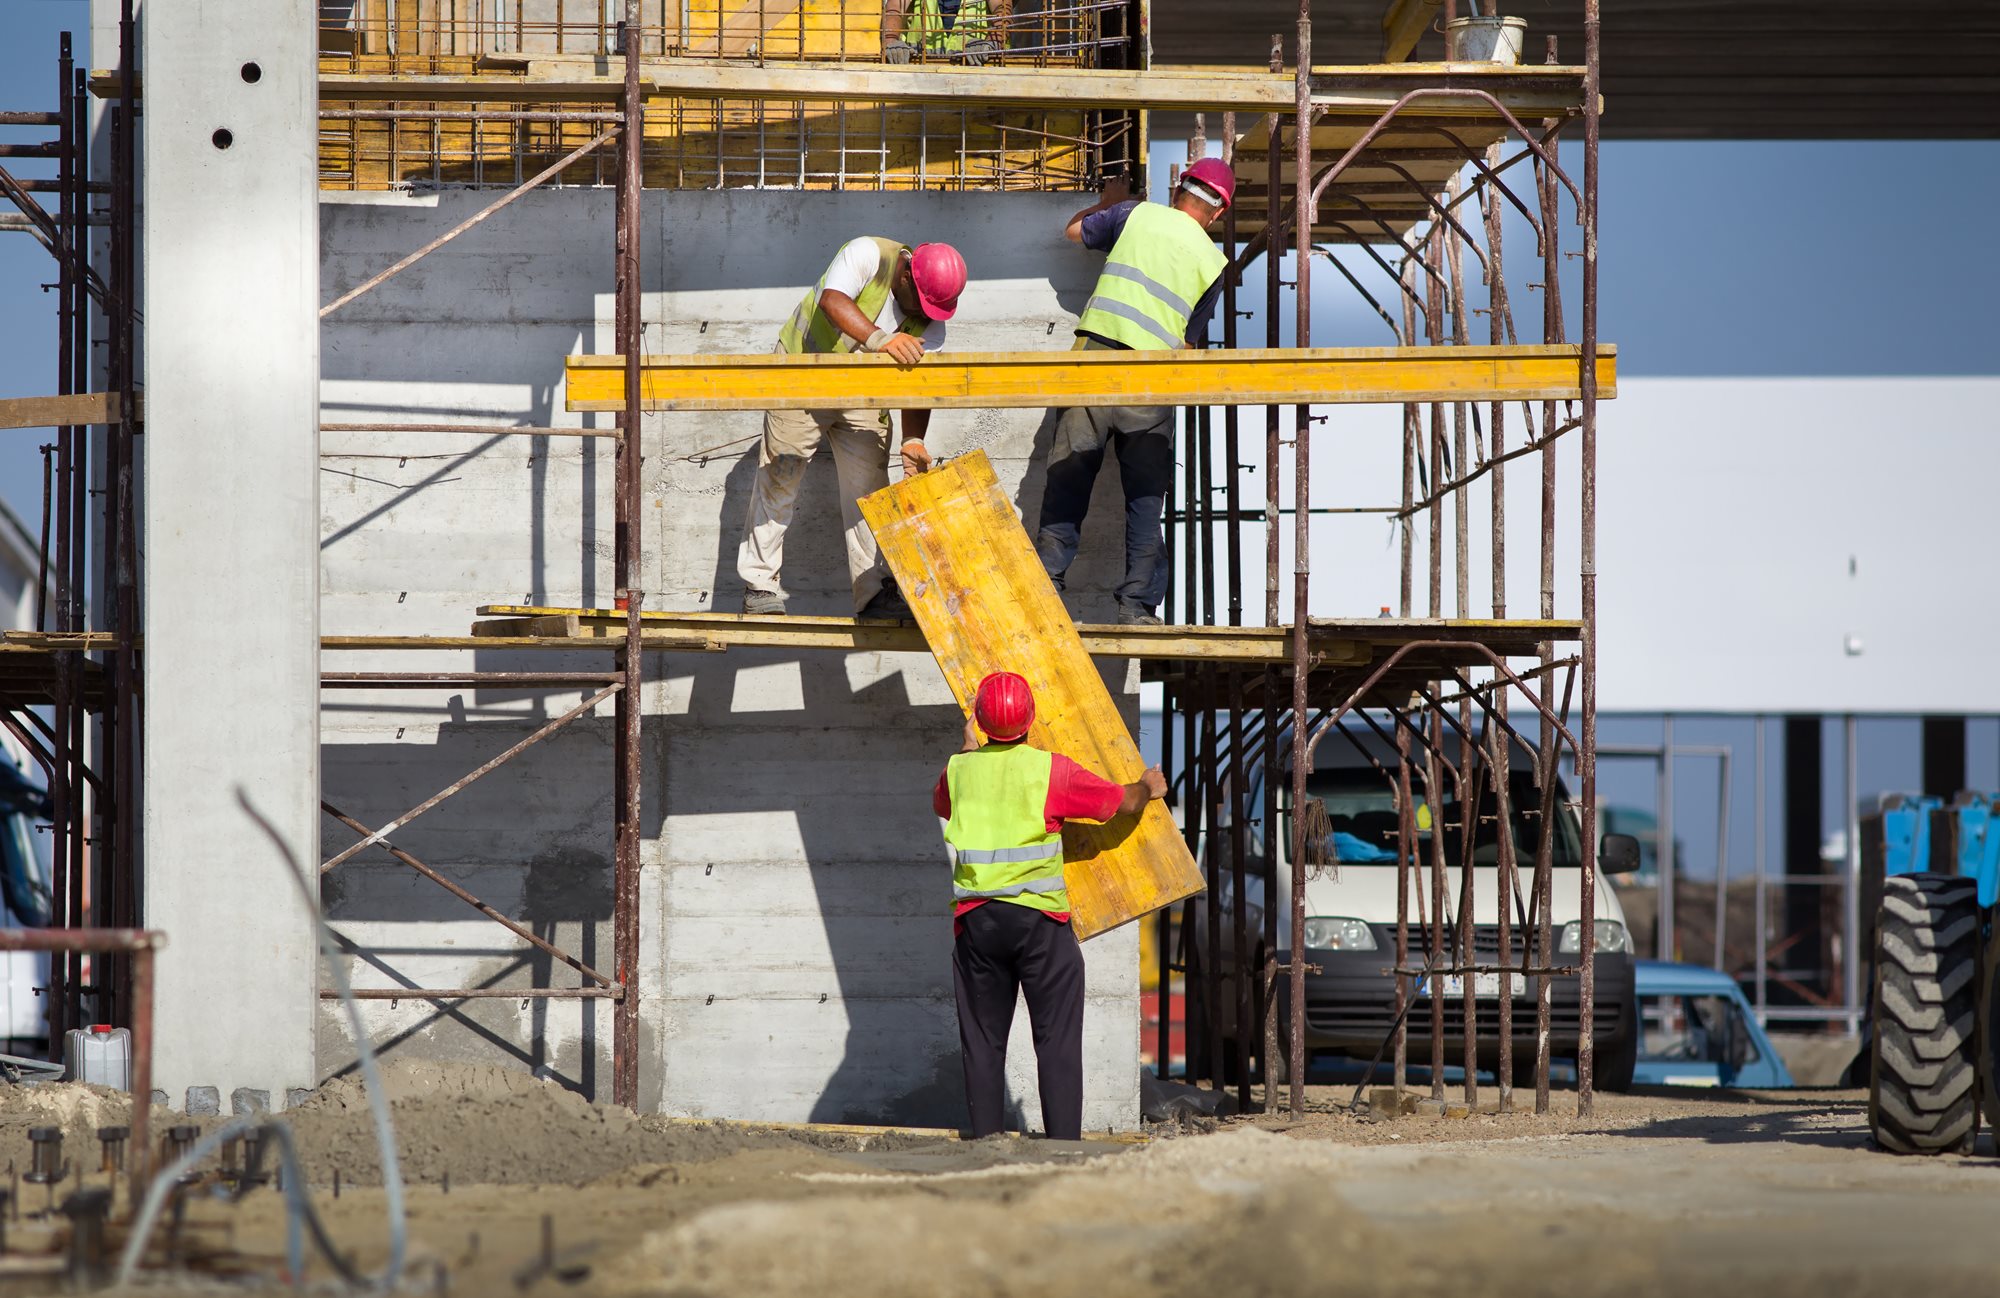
[{"x": 1923, "y": 1096}]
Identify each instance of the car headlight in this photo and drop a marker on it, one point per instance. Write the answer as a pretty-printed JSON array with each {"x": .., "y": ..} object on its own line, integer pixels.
[
  {"x": 1612, "y": 939},
  {"x": 1339, "y": 934}
]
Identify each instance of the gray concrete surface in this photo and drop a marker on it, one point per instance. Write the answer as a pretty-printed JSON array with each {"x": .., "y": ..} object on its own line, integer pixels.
[
  {"x": 231, "y": 356},
  {"x": 795, "y": 957}
]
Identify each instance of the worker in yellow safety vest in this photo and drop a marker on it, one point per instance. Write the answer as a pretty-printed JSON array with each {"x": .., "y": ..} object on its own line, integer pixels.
[
  {"x": 974, "y": 31},
  {"x": 876, "y": 296},
  {"x": 1004, "y": 803},
  {"x": 1157, "y": 291}
]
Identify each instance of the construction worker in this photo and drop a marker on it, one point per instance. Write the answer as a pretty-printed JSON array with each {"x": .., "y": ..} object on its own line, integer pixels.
[
  {"x": 973, "y": 30},
  {"x": 1157, "y": 291},
  {"x": 877, "y": 296},
  {"x": 1004, "y": 804}
]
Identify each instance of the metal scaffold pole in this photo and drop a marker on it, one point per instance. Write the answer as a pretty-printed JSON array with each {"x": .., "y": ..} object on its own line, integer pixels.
[
  {"x": 631, "y": 660},
  {"x": 1586, "y": 758},
  {"x": 1301, "y": 554}
]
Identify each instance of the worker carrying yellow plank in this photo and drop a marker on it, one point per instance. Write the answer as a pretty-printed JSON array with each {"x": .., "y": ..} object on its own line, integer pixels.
[
  {"x": 973, "y": 30},
  {"x": 877, "y": 296},
  {"x": 1004, "y": 804},
  {"x": 1157, "y": 291}
]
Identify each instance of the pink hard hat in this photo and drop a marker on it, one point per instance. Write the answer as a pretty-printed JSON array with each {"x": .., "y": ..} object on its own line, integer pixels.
[
  {"x": 1005, "y": 707},
  {"x": 940, "y": 277},
  {"x": 1213, "y": 174}
]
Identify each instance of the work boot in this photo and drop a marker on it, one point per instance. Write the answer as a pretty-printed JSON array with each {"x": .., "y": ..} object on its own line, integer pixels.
[
  {"x": 763, "y": 603},
  {"x": 1129, "y": 616},
  {"x": 887, "y": 606}
]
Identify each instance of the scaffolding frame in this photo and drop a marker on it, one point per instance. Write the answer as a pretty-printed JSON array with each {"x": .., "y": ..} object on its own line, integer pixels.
[{"x": 1322, "y": 700}]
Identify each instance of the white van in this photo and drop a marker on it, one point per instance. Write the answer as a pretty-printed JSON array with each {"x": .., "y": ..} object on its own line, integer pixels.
[{"x": 1351, "y": 921}]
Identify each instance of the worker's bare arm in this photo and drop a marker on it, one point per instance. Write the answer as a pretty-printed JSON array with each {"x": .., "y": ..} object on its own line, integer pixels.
[
  {"x": 1143, "y": 790},
  {"x": 972, "y": 736},
  {"x": 846, "y": 315},
  {"x": 1116, "y": 190}
]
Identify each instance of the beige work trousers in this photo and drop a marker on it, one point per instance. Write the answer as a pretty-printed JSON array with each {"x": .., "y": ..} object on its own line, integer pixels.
[{"x": 860, "y": 443}]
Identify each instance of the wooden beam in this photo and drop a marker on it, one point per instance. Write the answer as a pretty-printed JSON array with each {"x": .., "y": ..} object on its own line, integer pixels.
[
  {"x": 1025, "y": 380},
  {"x": 60, "y": 412},
  {"x": 1335, "y": 645},
  {"x": 1530, "y": 92},
  {"x": 1404, "y": 25}
]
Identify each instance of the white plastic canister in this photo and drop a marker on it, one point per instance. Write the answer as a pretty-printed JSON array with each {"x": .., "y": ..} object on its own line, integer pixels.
[{"x": 99, "y": 1054}]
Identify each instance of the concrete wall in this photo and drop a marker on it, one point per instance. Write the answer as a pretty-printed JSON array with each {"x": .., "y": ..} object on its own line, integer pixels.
[
  {"x": 795, "y": 963},
  {"x": 231, "y": 604}
]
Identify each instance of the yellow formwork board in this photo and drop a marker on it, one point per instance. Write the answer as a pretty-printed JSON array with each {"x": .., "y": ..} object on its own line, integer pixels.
[
  {"x": 999, "y": 380},
  {"x": 959, "y": 553}
]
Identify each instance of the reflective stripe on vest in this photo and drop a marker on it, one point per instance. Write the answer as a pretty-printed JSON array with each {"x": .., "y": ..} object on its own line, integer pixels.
[
  {"x": 1002, "y": 847},
  {"x": 927, "y": 28},
  {"x": 1013, "y": 890},
  {"x": 810, "y": 330},
  {"x": 1158, "y": 270}
]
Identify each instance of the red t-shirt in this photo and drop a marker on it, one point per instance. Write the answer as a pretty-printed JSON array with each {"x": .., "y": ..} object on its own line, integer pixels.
[{"x": 1074, "y": 794}]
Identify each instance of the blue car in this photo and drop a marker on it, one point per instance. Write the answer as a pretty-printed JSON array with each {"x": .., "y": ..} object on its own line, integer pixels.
[{"x": 1696, "y": 1029}]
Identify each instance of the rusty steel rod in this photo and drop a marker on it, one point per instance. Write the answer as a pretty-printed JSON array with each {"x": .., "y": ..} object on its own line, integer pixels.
[
  {"x": 460, "y": 784},
  {"x": 1586, "y": 762},
  {"x": 1303, "y": 200},
  {"x": 140, "y": 945},
  {"x": 382, "y": 277},
  {"x": 628, "y": 783},
  {"x": 612, "y": 993},
  {"x": 518, "y": 930}
]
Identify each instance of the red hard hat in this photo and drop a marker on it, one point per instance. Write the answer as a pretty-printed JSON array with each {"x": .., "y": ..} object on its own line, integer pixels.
[
  {"x": 940, "y": 277},
  {"x": 1213, "y": 173},
  {"x": 1005, "y": 707}
]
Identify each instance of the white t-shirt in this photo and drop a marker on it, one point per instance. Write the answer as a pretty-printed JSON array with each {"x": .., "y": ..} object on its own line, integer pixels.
[{"x": 853, "y": 266}]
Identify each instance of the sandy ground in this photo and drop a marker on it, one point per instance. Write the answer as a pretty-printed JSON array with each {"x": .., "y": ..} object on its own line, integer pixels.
[{"x": 1656, "y": 1193}]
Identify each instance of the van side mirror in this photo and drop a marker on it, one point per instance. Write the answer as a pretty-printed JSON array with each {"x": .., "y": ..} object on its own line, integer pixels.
[{"x": 1618, "y": 854}]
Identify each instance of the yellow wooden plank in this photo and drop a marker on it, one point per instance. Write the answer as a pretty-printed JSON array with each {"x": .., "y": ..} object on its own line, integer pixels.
[
  {"x": 959, "y": 553},
  {"x": 1001, "y": 380},
  {"x": 60, "y": 412},
  {"x": 1530, "y": 92},
  {"x": 1404, "y": 24}
]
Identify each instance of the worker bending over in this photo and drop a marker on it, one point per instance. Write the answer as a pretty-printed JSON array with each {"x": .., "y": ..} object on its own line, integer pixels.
[
  {"x": 1157, "y": 291},
  {"x": 1004, "y": 804},
  {"x": 877, "y": 296},
  {"x": 972, "y": 30}
]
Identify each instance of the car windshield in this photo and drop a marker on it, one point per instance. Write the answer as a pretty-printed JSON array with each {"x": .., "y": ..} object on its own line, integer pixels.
[{"x": 1361, "y": 809}]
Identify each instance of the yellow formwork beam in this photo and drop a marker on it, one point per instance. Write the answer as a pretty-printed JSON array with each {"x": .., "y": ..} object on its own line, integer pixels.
[
  {"x": 1529, "y": 92},
  {"x": 1024, "y": 380}
]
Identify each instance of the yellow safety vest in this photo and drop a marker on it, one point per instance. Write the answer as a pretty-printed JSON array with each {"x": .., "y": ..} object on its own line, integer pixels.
[
  {"x": 925, "y": 27},
  {"x": 1158, "y": 270},
  {"x": 1002, "y": 847},
  {"x": 809, "y": 329}
]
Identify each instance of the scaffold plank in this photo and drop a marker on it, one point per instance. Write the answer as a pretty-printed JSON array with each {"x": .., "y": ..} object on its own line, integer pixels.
[
  {"x": 963, "y": 561},
  {"x": 1021, "y": 380},
  {"x": 1344, "y": 643},
  {"x": 1530, "y": 92}
]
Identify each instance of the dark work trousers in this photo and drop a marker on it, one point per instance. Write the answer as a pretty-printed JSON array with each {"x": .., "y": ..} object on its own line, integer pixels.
[
  {"x": 1004, "y": 950},
  {"x": 1143, "y": 439}
]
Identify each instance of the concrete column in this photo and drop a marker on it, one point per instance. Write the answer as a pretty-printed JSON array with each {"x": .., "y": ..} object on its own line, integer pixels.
[{"x": 231, "y": 532}]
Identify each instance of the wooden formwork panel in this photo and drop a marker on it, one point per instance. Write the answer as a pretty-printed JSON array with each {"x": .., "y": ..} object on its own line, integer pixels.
[{"x": 965, "y": 564}]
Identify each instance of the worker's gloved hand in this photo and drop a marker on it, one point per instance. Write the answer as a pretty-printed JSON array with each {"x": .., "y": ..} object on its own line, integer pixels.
[
  {"x": 898, "y": 51},
  {"x": 1155, "y": 782},
  {"x": 916, "y": 457},
  {"x": 1117, "y": 189},
  {"x": 978, "y": 53},
  {"x": 899, "y": 347}
]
